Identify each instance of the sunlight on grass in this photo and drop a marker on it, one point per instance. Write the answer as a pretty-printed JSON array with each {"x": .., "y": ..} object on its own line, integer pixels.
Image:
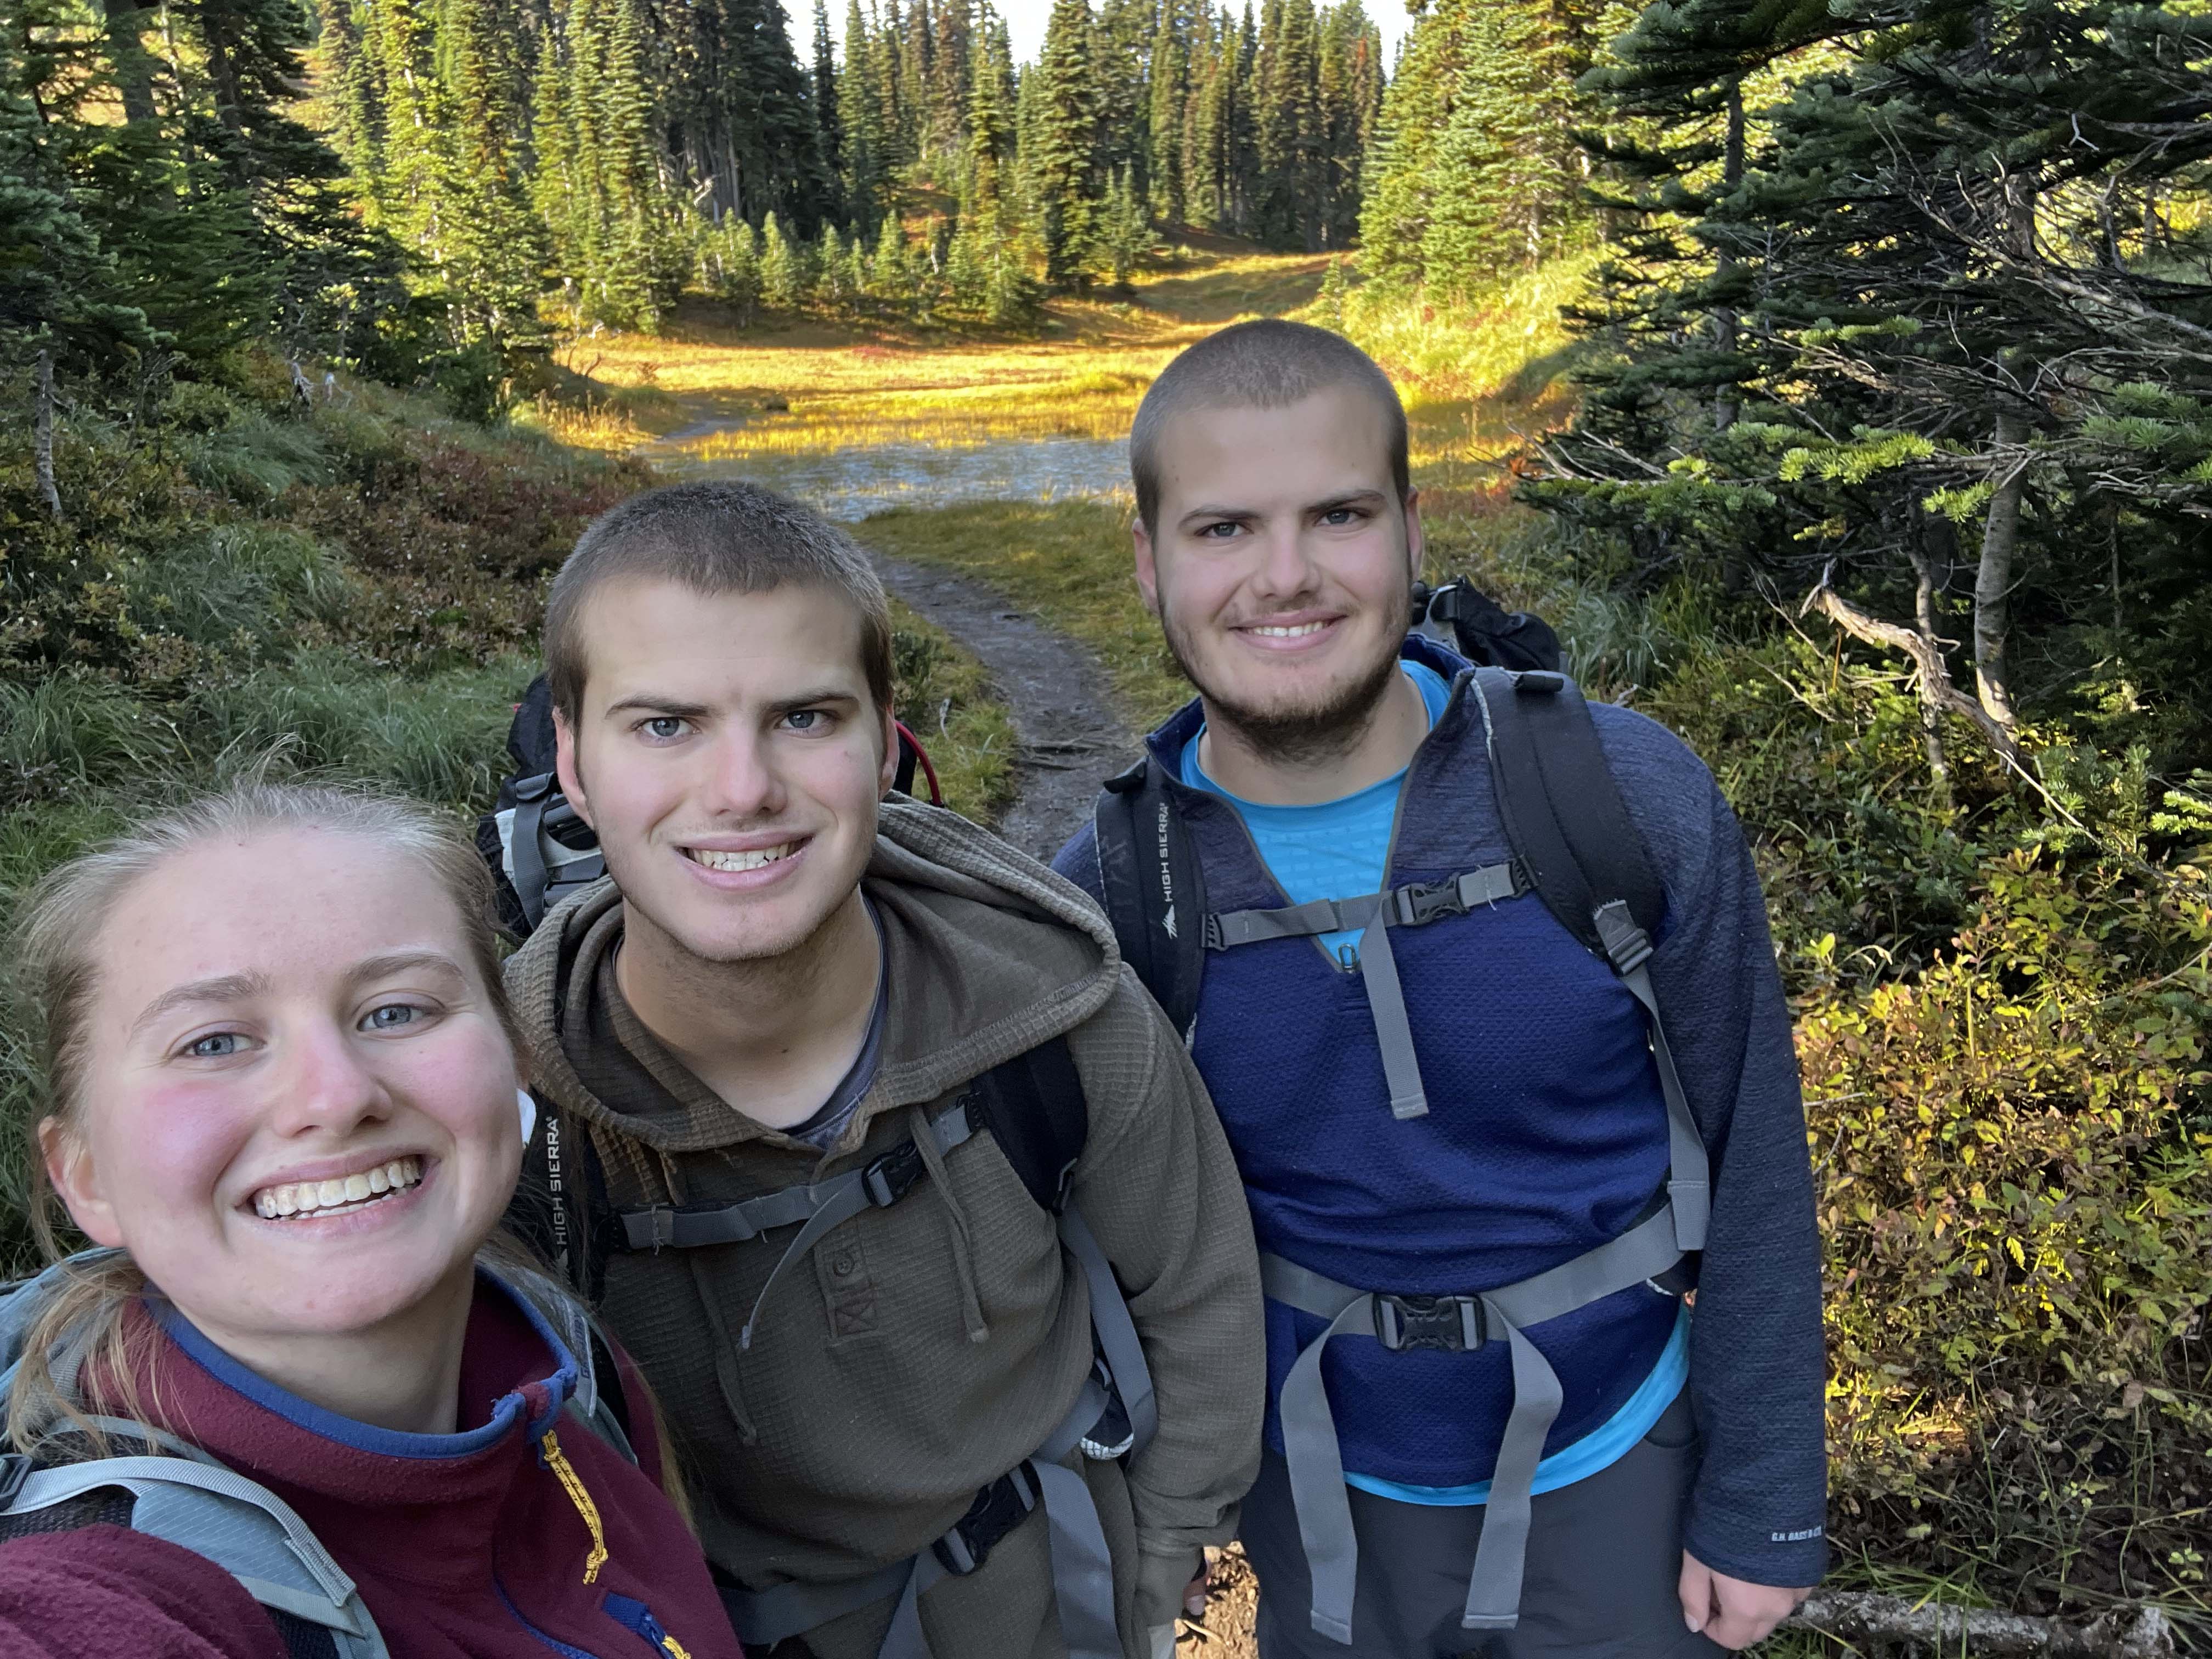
[{"x": 713, "y": 395}]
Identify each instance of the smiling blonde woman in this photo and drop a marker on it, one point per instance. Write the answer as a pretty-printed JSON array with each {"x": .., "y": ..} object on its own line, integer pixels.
[{"x": 284, "y": 1104}]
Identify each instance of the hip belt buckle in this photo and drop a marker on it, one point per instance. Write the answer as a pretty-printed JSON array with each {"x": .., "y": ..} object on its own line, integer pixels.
[
  {"x": 998, "y": 1509},
  {"x": 1450, "y": 1324}
]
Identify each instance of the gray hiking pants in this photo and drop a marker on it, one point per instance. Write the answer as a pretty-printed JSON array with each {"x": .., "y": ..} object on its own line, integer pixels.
[{"x": 1604, "y": 1558}]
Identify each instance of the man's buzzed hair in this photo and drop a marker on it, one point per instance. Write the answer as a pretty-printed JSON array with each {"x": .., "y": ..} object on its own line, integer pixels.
[
  {"x": 1269, "y": 364},
  {"x": 712, "y": 538}
]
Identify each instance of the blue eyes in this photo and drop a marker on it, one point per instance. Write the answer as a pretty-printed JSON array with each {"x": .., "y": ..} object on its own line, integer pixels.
[
  {"x": 803, "y": 720},
  {"x": 666, "y": 728},
  {"x": 221, "y": 1046},
  {"x": 392, "y": 1017}
]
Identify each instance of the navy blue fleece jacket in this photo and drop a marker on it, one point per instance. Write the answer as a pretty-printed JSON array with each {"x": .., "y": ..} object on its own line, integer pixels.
[{"x": 1548, "y": 1134}]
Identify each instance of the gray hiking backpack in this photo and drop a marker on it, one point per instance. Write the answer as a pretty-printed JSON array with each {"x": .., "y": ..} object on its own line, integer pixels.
[{"x": 180, "y": 1493}]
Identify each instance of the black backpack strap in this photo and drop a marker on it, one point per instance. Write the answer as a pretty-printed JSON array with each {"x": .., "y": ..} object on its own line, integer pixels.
[
  {"x": 1563, "y": 811},
  {"x": 560, "y": 1208},
  {"x": 1571, "y": 832},
  {"x": 1155, "y": 894},
  {"x": 1034, "y": 1107}
]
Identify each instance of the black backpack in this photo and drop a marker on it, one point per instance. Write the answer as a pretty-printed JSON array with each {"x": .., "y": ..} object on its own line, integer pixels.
[
  {"x": 1488, "y": 634},
  {"x": 539, "y": 851}
]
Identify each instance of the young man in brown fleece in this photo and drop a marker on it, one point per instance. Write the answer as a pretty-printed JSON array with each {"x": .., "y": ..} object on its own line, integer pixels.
[{"x": 785, "y": 978}]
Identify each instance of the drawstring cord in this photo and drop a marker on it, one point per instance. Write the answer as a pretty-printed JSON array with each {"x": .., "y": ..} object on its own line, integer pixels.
[
  {"x": 963, "y": 1260},
  {"x": 549, "y": 1445}
]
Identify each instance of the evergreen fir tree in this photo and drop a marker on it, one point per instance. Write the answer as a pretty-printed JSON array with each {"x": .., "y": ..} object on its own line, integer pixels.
[
  {"x": 1058, "y": 149},
  {"x": 859, "y": 110},
  {"x": 829, "y": 122},
  {"x": 782, "y": 271}
]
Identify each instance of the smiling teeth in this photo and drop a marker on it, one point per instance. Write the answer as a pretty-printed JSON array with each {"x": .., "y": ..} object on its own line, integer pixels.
[
  {"x": 754, "y": 860},
  {"x": 333, "y": 1197},
  {"x": 1291, "y": 633}
]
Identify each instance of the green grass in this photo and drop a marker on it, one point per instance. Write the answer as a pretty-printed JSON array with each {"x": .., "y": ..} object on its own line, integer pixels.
[{"x": 943, "y": 695}]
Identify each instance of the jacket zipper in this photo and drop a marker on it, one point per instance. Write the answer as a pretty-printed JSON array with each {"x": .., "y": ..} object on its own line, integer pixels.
[
  {"x": 553, "y": 1643},
  {"x": 636, "y": 1617}
]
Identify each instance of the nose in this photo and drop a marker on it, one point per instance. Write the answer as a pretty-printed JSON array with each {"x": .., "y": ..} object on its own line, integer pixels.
[
  {"x": 1282, "y": 571},
  {"x": 326, "y": 1083},
  {"x": 744, "y": 783}
]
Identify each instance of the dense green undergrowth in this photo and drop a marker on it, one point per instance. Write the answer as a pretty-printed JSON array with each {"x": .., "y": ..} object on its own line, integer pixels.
[{"x": 356, "y": 583}]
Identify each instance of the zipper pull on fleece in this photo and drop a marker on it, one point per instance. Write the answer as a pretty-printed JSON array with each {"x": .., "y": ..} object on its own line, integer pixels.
[{"x": 549, "y": 1450}]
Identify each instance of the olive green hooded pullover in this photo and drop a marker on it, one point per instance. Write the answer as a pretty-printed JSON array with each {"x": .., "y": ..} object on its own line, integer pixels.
[{"x": 925, "y": 1348}]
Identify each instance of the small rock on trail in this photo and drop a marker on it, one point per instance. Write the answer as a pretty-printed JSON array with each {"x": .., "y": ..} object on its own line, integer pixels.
[{"x": 1071, "y": 740}]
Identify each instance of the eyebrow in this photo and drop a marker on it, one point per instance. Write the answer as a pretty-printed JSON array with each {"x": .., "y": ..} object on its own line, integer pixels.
[
  {"x": 232, "y": 987},
  {"x": 226, "y": 988},
  {"x": 664, "y": 708},
  {"x": 813, "y": 699},
  {"x": 402, "y": 962},
  {"x": 1349, "y": 498}
]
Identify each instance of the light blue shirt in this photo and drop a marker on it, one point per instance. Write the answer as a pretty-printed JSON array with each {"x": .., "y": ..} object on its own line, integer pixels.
[{"x": 1341, "y": 849}]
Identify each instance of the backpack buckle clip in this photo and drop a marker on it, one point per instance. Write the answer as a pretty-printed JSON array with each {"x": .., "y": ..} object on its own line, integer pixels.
[
  {"x": 1425, "y": 901},
  {"x": 1448, "y": 1324},
  {"x": 998, "y": 1509},
  {"x": 1628, "y": 945},
  {"x": 891, "y": 1176}
]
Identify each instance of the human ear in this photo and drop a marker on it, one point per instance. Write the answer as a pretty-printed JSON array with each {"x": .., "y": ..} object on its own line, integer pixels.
[
  {"x": 565, "y": 767},
  {"x": 1416, "y": 548},
  {"x": 70, "y": 1168},
  {"x": 1148, "y": 573},
  {"x": 888, "y": 772}
]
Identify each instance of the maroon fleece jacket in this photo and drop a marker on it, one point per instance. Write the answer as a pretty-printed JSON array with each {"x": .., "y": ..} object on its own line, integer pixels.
[{"x": 467, "y": 1546}]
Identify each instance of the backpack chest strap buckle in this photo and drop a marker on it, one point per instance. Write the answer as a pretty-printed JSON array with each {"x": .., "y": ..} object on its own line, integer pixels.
[
  {"x": 1448, "y": 1324},
  {"x": 891, "y": 1177}
]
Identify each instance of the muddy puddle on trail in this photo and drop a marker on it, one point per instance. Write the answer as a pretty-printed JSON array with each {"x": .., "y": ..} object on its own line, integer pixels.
[{"x": 851, "y": 483}]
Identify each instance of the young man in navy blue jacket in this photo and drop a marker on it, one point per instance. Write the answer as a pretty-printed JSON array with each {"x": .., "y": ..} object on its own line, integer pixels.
[{"x": 1679, "y": 1500}]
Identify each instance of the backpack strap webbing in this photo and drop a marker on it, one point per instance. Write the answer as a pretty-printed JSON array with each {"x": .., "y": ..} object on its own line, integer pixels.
[
  {"x": 1572, "y": 833},
  {"x": 1450, "y": 1324},
  {"x": 1155, "y": 894},
  {"x": 1563, "y": 810}
]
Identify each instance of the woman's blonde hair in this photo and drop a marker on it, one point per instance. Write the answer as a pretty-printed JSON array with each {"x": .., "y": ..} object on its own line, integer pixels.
[{"x": 57, "y": 959}]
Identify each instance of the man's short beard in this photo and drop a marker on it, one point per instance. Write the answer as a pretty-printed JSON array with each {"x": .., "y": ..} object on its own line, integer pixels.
[{"x": 1297, "y": 735}]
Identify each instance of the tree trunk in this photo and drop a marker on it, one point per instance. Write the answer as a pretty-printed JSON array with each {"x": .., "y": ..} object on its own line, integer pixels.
[
  {"x": 1726, "y": 403},
  {"x": 1993, "y": 579},
  {"x": 134, "y": 76},
  {"x": 1932, "y": 701},
  {"x": 43, "y": 437}
]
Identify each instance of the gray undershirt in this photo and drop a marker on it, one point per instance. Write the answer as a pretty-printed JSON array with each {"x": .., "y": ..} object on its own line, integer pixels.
[{"x": 822, "y": 1129}]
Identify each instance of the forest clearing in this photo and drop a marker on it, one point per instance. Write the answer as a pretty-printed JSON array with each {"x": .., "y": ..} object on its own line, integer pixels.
[{"x": 1835, "y": 379}]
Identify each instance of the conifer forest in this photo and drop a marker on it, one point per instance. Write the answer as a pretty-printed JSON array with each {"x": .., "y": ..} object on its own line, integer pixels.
[{"x": 1835, "y": 375}]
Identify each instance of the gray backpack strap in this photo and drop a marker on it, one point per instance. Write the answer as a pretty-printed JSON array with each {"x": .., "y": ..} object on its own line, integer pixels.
[
  {"x": 1316, "y": 1464},
  {"x": 1375, "y": 914},
  {"x": 242, "y": 1526}
]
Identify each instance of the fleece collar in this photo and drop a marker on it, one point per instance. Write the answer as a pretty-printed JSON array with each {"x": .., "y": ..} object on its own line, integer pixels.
[{"x": 535, "y": 1404}]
